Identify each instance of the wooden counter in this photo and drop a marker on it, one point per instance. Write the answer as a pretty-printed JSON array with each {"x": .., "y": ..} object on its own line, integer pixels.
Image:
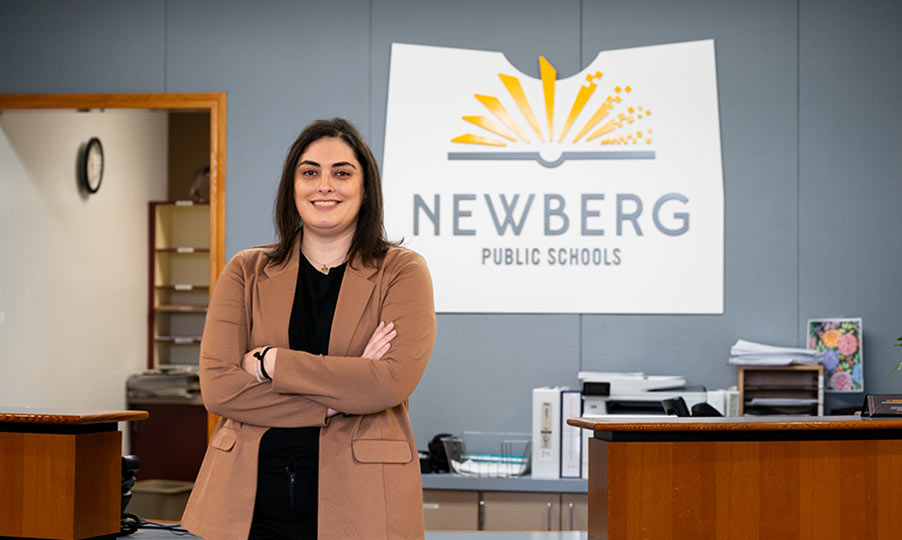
[
  {"x": 60, "y": 472},
  {"x": 744, "y": 478}
]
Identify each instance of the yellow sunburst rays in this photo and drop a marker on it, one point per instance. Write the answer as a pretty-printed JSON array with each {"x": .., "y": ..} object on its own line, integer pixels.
[
  {"x": 549, "y": 79},
  {"x": 585, "y": 92},
  {"x": 629, "y": 138},
  {"x": 487, "y": 124},
  {"x": 493, "y": 104},
  {"x": 628, "y": 118},
  {"x": 516, "y": 91},
  {"x": 599, "y": 114}
]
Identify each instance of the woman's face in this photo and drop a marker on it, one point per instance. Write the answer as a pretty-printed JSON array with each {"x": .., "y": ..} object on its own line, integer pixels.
[{"x": 328, "y": 188}]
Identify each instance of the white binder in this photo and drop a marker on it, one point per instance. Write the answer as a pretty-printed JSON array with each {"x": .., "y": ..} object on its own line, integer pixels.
[
  {"x": 546, "y": 432},
  {"x": 571, "y": 437}
]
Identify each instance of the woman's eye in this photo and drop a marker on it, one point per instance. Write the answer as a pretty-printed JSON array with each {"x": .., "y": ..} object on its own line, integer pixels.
[
  {"x": 308, "y": 172},
  {"x": 342, "y": 174}
]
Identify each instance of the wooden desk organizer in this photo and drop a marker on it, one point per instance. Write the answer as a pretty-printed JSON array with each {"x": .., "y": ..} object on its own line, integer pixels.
[{"x": 60, "y": 473}]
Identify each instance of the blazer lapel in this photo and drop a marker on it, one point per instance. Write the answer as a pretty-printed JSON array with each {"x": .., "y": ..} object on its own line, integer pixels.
[
  {"x": 354, "y": 295},
  {"x": 276, "y": 294}
]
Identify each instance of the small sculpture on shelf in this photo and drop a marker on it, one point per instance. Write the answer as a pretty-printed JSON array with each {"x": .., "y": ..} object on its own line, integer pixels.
[{"x": 200, "y": 188}]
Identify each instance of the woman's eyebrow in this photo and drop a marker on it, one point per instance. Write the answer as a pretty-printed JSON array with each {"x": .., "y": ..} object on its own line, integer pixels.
[{"x": 336, "y": 164}]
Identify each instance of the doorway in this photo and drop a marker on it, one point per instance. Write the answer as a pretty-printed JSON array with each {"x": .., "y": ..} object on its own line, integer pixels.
[
  {"x": 213, "y": 104},
  {"x": 73, "y": 371}
]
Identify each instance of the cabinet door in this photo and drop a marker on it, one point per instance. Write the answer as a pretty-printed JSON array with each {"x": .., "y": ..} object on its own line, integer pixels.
[
  {"x": 574, "y": 512},
  {"x": 447, "y": 510},
  {"x": 516, "y": 511},
  {"x": 171, "y": 443}
]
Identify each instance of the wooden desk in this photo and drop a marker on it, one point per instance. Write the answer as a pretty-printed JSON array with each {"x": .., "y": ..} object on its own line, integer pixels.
[
  {"x": 151, "y": 534},
  {"x": 61, "y": 472},
  {"x": 817, "y": 478}
]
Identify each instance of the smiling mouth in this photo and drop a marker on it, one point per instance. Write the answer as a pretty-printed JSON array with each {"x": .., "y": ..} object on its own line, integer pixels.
[{"x": 324, "y": 204}]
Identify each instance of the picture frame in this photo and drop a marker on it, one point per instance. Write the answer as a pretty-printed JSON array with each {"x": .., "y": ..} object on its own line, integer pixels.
[{"x": 840, "y": 340}]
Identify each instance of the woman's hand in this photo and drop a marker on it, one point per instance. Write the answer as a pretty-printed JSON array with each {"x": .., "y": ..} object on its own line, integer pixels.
[
  {"x": 249, "y": 361},
  {"x": 375, "y": 349},
  {"x": 380, "y": 341}
]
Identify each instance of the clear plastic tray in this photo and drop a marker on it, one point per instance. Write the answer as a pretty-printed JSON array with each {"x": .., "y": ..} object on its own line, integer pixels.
[{"x": 489, "y": 454}]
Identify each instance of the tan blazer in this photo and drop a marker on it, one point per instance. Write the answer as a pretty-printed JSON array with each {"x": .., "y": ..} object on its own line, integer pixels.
[{"x": 369, "y": 476}]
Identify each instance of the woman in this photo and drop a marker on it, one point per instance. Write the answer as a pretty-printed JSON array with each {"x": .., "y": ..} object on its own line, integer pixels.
[{"x": 310, "y": 350}]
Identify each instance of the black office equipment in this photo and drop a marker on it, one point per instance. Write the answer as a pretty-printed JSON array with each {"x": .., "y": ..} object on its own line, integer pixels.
[
  {"x": 437, "y": 457},
  {"x": 675, "y": 407},
  {"x": 704, "y": 409}
]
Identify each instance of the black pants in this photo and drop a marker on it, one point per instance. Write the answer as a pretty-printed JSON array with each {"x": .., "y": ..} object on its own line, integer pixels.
[{"x": 287, "y": 475}]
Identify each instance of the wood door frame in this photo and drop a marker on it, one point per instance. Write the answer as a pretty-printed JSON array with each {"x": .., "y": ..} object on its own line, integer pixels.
[{"x": 212, "y": 102}]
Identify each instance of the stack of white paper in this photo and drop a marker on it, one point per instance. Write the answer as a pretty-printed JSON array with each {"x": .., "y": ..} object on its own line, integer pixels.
[
  {"x": 782, "y": 402},
  {"x": 748, "y": 353},
  {"x": 725, "y": 401}
]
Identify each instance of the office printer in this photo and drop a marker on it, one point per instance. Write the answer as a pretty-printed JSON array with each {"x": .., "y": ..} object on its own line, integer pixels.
[{"x": 634, "y": 394}]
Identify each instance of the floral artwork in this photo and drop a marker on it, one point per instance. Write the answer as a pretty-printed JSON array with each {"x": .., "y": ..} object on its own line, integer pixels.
[{"x": 840, "y": 341}]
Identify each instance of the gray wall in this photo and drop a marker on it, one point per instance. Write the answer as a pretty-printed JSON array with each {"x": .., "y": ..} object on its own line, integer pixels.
[{"x": 810, "y": 120}]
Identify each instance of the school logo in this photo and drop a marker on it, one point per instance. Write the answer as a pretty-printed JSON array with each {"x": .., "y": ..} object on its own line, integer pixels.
[
  {"x": 601, "y": 192},
  {"x": 615, "y": 115}
]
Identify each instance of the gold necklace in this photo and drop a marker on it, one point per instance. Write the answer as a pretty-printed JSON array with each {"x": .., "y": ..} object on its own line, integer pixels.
[{"x": 322, "y": 267}]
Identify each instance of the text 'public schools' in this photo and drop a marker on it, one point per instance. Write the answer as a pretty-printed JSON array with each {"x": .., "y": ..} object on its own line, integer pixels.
[{"x": 525, "y": 256}]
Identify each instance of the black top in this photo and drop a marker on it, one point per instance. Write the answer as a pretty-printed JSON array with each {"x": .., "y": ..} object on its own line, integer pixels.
[
  {"x": 314, "y": 307},
  {"x": 288, "y": 472}
]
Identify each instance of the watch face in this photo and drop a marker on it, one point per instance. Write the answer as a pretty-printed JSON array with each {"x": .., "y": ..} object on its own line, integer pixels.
[{"x": 93, "y": 165}]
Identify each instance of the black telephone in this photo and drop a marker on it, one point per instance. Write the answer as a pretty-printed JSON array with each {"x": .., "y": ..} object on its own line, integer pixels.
[{"x": 436, "y": 460}]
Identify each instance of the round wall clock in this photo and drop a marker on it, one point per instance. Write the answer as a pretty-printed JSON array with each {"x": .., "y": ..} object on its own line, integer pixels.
[{"x": 91, "y": 166}]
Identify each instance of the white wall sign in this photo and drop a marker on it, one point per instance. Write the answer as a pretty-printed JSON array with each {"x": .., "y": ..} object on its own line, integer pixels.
[{"x": 598, "y": 193}]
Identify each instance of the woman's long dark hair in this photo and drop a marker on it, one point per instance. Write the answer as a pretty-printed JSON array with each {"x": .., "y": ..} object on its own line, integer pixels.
[{"x": 369, "y": 242}]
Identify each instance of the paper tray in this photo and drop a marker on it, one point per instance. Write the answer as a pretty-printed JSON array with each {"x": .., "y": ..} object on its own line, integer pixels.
[{"x": 489, "y": 454}]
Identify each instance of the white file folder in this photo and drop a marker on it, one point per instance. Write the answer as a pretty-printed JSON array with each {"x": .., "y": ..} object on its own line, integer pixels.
[
  {"x": 571, "y": 437},
  {"x": 546, "y": 432}
]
